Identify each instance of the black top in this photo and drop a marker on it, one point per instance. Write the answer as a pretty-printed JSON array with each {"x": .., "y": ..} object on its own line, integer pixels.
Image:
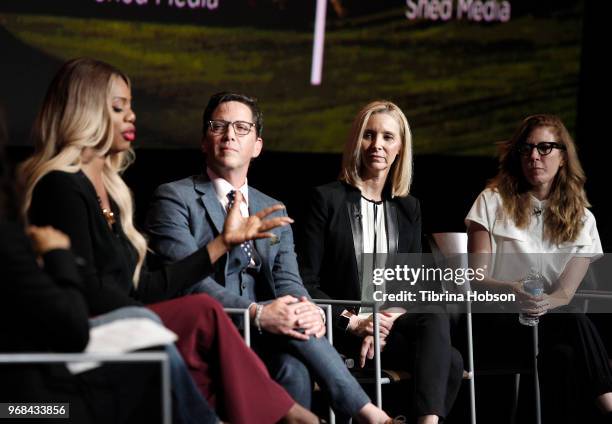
[
  {"x": 328, "y": 247},
  {"x": 39, "y": 311},
  {"x": 68, "y": 202}
]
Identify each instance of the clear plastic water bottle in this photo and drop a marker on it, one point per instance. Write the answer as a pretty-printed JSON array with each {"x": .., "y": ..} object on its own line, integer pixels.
[{"x": 534, "y": 285}]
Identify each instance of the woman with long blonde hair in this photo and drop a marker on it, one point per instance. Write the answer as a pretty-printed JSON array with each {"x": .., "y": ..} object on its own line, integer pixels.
[
  {"x": 83, "y": 137},
  {"x": 370, "y": 211}
]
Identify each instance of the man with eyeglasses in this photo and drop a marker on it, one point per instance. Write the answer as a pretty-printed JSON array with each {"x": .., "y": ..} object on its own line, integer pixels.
[{"x": 261, "y": 276}]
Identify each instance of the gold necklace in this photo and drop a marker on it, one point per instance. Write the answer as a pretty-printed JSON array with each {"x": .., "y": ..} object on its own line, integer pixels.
[{"x": 108, "y": 214}]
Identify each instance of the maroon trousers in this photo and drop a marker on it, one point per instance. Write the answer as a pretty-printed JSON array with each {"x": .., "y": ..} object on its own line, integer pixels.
[{"x": 229, "y": 374}]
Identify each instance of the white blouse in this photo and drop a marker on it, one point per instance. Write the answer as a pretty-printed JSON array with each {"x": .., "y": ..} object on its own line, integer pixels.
[
  {"x": 519, "y": 251},
  {"x": 373, "y": 226},
  {"x": 374, "y": 231}
]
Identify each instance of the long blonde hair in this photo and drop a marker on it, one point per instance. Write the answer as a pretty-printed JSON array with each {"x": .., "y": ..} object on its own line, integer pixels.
[
  {"x": 75, "y": 115},
  {"x": 401, "y": 170},
  {"x": 563, "y": 218}
]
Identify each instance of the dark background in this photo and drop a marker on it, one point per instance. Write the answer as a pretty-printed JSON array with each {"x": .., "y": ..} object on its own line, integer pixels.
[
  {"x": 445, "y": 184},
  {"x": 463, "y": 84}
]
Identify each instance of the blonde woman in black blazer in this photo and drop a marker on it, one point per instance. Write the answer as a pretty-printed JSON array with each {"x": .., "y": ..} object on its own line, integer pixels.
[{"x": 370, "y": 211}]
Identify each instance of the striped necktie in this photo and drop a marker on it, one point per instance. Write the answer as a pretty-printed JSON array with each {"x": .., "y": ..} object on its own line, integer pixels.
[{"x": 246, "y": 246}]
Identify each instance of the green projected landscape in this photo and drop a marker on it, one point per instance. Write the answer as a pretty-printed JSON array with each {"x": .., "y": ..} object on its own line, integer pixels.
[{"x": 463, "y": 85}]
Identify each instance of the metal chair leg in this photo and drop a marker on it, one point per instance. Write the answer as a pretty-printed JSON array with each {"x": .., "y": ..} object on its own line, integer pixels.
[
  {"x": 536, "y": 380},
  {"x": 377, "y": 364},
  {"x": 471, "y": 365},
  {"x": 515, "y": 398},
  {"x": 247, "y": 322}
]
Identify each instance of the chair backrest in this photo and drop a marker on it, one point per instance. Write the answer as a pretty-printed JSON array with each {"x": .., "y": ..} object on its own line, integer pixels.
[
  {"x": 448, "y": 244},
  {"x": 450, "y": 251}
]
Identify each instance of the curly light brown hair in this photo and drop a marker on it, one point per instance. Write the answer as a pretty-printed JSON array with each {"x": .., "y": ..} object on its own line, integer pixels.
[{"x": 563, "y": 218}]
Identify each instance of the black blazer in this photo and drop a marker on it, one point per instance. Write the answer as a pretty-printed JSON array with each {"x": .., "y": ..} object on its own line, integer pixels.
[{"x": 330, "y": 242}]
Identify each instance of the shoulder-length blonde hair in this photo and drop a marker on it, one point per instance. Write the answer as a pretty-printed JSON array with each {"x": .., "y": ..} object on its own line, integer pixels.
[
  {"x": 567, "y": 199},
  {"x": 401, "y": 170},
  {"x": 75, "y": 115}
]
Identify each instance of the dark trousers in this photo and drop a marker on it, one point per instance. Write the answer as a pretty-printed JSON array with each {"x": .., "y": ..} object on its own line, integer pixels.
[
  {"x": 419, "y": 342},
  {"x": 574, "y": 367},
  {"x": 573, "y": 363}
]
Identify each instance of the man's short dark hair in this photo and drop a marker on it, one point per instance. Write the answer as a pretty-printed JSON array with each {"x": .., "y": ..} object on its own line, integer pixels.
[{"x": 224, "y": 97}]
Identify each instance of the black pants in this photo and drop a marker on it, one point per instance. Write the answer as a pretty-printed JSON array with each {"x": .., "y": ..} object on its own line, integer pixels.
[
  {"x": 573, "y": 362},
  {"x": 574, "y": 367},
  {"x": 419, "y": 342}
]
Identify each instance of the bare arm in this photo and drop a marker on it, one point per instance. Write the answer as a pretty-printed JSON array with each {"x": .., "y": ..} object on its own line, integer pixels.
[
  {"x": 480, "y": 249},
  {"x": 479, "y": 246},
  {"x": 569, "y": 281}
]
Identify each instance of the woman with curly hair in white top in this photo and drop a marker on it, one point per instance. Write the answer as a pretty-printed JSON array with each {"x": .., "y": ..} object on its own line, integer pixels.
[{"x": 534, "y": 213}]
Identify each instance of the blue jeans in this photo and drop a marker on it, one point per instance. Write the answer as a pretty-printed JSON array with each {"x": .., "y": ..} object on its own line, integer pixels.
[{"x": 190, "y": 407}]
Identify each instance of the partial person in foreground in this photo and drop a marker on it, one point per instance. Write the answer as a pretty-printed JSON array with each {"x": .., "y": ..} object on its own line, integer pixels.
[
  {"x": 535, "y": 211},
  {"x": 83, "y": 137},
  {"x": 262, "y": 276}
]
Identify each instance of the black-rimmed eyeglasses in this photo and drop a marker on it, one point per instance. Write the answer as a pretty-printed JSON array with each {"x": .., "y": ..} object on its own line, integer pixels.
[
  {"x": 544, "y": 148},
  {"x": 240, "y": 127}
]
